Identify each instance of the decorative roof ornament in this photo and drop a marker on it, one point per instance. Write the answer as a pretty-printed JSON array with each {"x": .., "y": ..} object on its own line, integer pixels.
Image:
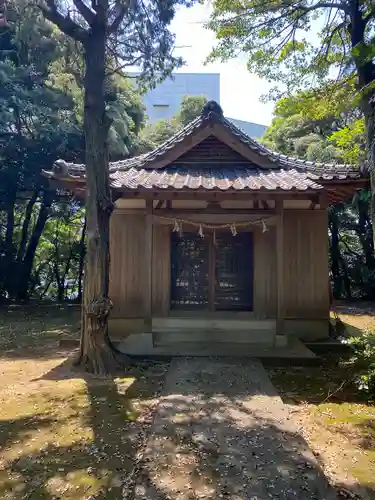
[{"x": 211, "y": 109}]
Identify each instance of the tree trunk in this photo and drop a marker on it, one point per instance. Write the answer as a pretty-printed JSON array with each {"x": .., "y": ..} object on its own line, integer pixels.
[
  {"x": 365, "y": 233},
  {"x": 369, "y": 111},
  {"x": 97, "y": 354},
  {"x": 9, "y": 247},
  {"x": 346, "y": 279},
  {"x": 82, "y": 253},
  {"x": 335, "y": 253},
  {"x": 366, "y": 80},
  {"x": 58, "y": 279},
  {"x": 28, "y": 261},
  {"x": 25, "y": 226}
]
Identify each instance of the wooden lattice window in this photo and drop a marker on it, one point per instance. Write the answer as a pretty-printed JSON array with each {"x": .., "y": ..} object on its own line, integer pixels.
[
  {"x": 212, "y": 273},
  {"x": 189, "y": 271},
  {"x": 233, "y": 271}
]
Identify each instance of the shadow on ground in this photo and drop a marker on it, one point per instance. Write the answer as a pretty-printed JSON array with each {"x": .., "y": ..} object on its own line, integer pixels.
[
  {"x": 334, "y": 380},
  {"x": 208, "y": 440},
  {"x": 83, "y": 442},
  {"x": 33, "y": 332},
  {"x": 221, "y": 432}
]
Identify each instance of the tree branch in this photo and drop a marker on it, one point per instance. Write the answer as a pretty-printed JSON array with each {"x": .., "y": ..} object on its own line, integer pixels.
[
  {"x": 121, "y": 10},
  {"x": 66, "y": 25},
  {"x": 325, "y": 5},
  {"x": 118, "y": 69},
  {"x": 86, "y": 12}
]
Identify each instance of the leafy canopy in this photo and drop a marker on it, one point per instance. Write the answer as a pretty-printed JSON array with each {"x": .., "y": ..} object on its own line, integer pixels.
[
  {"x": 317, "y": 129},
  {"x": 297, "y": 43}
]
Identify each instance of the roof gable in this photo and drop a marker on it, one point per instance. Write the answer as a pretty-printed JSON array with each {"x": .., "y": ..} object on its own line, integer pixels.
[
  {"x": 211, "y": 151},
  {"x": 210, "y": 123}
]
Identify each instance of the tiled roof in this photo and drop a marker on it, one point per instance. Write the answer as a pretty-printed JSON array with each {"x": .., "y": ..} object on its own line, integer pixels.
[
  {"x": 282, "y": 172},
  {"x": 237, "y": 178}
]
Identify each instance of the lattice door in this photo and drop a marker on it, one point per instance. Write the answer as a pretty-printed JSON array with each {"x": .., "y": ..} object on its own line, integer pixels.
[
  {"x": 190, "y": 267},
  {"x": 233, "y": 270}
]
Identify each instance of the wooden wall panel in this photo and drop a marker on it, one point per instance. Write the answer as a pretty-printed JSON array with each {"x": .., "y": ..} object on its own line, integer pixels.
[
  {"x": 127, "y": 267},
  {"x": 265, "y": 278},
  {"x": 306, "y": 264},
  {"x": 161, "y": 270},
  {"x": 305, "y": 267}
]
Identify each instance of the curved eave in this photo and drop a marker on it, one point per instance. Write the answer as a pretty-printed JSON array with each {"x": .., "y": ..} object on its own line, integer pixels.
[{"x": 334, "y": 191}]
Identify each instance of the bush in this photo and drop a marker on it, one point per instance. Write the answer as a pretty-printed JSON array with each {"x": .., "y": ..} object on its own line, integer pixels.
[{"x": 364, "y": 358}]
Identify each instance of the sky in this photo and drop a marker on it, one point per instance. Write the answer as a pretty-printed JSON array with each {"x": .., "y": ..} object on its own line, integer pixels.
[{"x": 240, "y": 90}]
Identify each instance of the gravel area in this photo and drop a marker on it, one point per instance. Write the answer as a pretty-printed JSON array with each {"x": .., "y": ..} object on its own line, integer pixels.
[{"x": 221, "y": 431}]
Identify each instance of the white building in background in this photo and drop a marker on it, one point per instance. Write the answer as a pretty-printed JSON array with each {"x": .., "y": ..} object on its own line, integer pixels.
[{"x": 164, "y": 100}]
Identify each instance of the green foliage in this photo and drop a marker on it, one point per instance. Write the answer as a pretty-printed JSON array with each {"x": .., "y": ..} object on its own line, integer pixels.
[
  {"x": 37, "y": 125},
  {"x": 42, "y": 70},
  {"x": 56, "y": 270},
  {"x": 364, "y": 358},
  {"x": 155, "y": 134},
  {"x": 350, "y": 141},
  {"x": 158, "y": 132},
  {"x": 296, "y": 133},
  {"x": 190, "y": 107},
  {"x": 34, "y": 116},
  {"x": 127, "y": 113},
  {"x": 124, "y": 103},
  {"x": 41, "y": 118},
  {"x": 320, "y": 125},
  {"x": 295, "y": 43},
  {"x": 306, "y": 127}
]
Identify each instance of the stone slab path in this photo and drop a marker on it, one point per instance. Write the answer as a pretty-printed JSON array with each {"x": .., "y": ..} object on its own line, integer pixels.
[{"x": 221, "y": 431}]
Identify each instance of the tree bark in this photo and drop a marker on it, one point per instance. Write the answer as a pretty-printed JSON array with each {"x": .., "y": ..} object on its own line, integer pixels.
[
  {"x": 25, "y": 226},
  {"x": 9, "y": 246},
  {"x": 366, "y": 82},
  {"x": 82, "y": 253},
  {"x": 335, "y": 253},
  {"x": 97, "y": 354},
  {"x": 365, "y": 234},
  {"x": 345, "y": 278},
  {"x": 56, "y": 271},
  {"x": 369, "y": 112}
]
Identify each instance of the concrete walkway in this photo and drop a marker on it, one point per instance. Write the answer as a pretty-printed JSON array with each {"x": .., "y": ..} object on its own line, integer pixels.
[{"x": 221, "y": 431}]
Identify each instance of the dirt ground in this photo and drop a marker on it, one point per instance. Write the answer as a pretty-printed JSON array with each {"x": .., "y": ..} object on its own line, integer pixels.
[
  {"x": 332, "y": 415},
  {"x": 66, "y": 435}
]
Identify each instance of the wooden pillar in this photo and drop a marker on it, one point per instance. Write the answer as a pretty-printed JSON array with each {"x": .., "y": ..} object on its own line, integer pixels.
[
  {"x": 149, "y": 236},
  {"x": 280, "y": 267},
  {"x": 211, "y": 273}
]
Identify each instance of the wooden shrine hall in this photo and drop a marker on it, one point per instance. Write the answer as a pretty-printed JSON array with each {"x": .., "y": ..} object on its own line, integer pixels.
[{"x": 217, "y": 239}]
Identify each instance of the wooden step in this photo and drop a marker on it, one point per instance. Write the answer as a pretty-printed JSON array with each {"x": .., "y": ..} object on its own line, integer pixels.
[
  {"x": 216, "y": 324},
  {"x": 212, "y": 336}
]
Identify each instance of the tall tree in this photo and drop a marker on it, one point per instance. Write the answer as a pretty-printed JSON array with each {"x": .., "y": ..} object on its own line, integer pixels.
[
  {"x": 301, "y": 43},
  {"x": 124, "y": 107},
  {"x": 318, "y": 130},
  {"x": 37, "y": 125},
  {"x": 113, "y": 34}
]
